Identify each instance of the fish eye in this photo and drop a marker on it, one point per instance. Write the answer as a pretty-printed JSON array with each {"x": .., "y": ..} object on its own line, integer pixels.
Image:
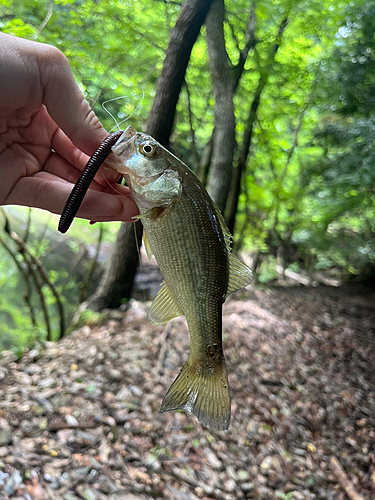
[{"x": 148, "y": 149}]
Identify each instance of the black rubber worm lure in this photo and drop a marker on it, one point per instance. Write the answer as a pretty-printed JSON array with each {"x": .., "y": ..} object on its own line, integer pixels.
[{"x": 80, "y": 188}]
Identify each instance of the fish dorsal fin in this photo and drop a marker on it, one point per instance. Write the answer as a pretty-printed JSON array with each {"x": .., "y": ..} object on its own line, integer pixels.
[
  {"x": 240, "y": 274},
  {"x": 147, "y": 245},
  {"x": 227, "y": 236},
  {"x": 164, "y": 306}
]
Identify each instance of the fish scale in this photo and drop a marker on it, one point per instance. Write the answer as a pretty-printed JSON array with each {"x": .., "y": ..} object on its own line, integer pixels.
[
  {"x": 185, "y": 235},
  {"x": 191, "y": 243}
]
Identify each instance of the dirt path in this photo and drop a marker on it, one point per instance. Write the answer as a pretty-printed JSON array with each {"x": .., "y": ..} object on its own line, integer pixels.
[{"x": 79, "y": 419}]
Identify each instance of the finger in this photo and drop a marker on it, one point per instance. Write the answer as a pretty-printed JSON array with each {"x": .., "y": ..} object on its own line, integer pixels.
[
  {"x": 66, "y": 103},
  {"x": 64, "y": 171},
  {"x": 65, "y": 148},
  {"x": 44, "y": 191},
  {"x": 74, "y": 156}
]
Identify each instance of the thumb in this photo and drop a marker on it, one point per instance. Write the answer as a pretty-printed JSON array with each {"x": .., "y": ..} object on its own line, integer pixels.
[{"x": 66, "y": 104}]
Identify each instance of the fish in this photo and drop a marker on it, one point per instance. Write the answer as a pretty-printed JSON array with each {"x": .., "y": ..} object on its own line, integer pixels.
[{"x": 188, "y": 236}]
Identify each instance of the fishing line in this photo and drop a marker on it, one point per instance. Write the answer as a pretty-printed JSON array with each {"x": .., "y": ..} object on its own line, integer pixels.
[
  {"x": 128, "y": 117},
  {"x": 117, "y": 125},
  {"x": 110, "y": 114},
  {"x": 111, "y": 185},
  {"x": 141, "y": 269}
]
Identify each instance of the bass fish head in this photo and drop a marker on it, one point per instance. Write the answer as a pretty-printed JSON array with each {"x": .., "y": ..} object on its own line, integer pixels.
[{"x": 148, "y": 168}]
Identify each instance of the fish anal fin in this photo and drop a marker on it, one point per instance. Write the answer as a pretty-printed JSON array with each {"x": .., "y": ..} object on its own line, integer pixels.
[
  {"x": 147, "y": 245},
  {"x": 202, "y": 391},
  {"x": 164, "y": 306},
  {"x": 240, "y": 274}
]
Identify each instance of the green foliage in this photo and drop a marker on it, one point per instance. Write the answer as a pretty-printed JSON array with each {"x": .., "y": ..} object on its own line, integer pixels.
[
  {"x": 15, "y": 326},
  {"x": 309, "y": 180},
  {"x": 114, "y": 48},
  {"x": 67, "y": 265},
  {"x": 342, "y": 182},
  {"x": 88, "y": 317},
  {"x": 268, "y": 271}
]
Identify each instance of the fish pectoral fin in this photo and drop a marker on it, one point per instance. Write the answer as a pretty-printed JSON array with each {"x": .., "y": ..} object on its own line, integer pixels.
[
  {"x": 240, "y": 274},
  {"x": 147, "y": 245},
  {"x": 202, "y": 390},
  {"x": 164, "y": 307},
  {"x": 149, "y": 214}
]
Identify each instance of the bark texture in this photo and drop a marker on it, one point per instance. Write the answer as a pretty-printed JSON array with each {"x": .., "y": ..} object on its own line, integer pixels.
[
  {"x": 223, "y": 88},
  {"x": 225, "y": 80},
  {"x": 245, "y": 149}
]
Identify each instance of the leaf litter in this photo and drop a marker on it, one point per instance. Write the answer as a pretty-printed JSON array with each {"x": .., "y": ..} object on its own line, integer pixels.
[{"x": 79, "y": 418}]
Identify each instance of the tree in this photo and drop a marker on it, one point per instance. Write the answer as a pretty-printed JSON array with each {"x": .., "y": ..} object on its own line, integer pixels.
[
  {"x": 341, "y": 191},
  {"x": 248, "y": 132},
  {"x": 225, "y": 80},
  {"x": 223, "y": 88},
  {"x": 119, "y": 276},
  {"x": 283, "y": 109}
]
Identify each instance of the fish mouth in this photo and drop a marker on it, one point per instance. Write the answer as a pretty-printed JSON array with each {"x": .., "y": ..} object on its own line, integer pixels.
[{"x": 125, "y": 146}]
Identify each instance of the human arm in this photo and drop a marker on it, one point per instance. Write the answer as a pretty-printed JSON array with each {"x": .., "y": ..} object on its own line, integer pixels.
[{"x": 47, "y": 133}]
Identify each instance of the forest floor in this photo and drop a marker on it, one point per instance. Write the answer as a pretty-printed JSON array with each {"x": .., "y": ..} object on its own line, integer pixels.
[{"x": 79, "y": 418}]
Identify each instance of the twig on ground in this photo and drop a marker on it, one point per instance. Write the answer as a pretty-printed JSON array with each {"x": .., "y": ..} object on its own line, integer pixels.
[
  {"x": 343, "y": 479},
  {"x": 88, "y": 424}
]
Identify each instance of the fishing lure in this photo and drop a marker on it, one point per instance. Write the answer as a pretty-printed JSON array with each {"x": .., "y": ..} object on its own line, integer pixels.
[{"x": 80, "y": 189}]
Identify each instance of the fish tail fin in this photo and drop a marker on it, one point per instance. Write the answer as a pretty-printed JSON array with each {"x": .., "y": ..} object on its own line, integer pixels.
[{"x": 202, "y": 390}]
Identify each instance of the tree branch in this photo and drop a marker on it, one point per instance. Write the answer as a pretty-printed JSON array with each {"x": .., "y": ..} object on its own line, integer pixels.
[
  {"x": 192, "y": 132},
  {"x": 248, "y": 135},
  {"x": 31, "y": 259},
  {"x": 250, "y": 43},
  {"x": 27, "y": 295},
  {"x": 343, "y": 479},
  {"x": 46, "y": 19},
  {"x": 183, "y": 37},
  {"x": 294, "y": 145},
  {"x": 84, "y": 286}
]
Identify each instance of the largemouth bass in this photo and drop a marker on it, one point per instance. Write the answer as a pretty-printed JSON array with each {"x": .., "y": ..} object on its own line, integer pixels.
[{"x": 191, "y": 243}]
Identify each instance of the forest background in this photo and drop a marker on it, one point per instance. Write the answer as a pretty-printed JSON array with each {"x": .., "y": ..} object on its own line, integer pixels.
[{"x": 275, "y": 115}]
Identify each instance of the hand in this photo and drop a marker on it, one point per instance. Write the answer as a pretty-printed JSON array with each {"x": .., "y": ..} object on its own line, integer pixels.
[{"x": 47, "y": 133}]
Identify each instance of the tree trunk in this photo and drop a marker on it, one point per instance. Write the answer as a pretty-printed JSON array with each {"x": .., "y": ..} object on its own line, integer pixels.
[
  {"x": 118, "y": 277},
  {"x": 183, "y": 37},
  {"x": 223, "y": 87},
  {"x": 117, "y": 281},
  {"x": 246, "y": 144}
]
